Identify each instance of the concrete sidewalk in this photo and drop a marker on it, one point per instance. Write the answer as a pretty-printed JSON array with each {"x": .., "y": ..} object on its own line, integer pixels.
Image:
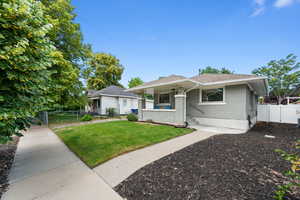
[
  {"x": 118, "y": 169},
  {"x": 44, "y": 168}
]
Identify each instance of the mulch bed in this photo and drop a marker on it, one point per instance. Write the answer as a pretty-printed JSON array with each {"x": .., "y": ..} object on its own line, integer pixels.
[
  {"x": 223, "y": 167},
  {"x": 7, "y": 153}
]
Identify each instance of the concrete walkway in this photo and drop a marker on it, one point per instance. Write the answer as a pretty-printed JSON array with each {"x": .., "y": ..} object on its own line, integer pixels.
[
  {"x": 44, "y": 168},
  {"x": 118, "y": 169}
]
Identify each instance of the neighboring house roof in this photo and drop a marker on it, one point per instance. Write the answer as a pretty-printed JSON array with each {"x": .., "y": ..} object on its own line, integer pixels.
[
  {"x": 203, "y": 80},
  {"x": 111, "y": 91}
]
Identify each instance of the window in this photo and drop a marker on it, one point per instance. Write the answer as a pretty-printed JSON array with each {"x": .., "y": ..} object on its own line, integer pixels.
[
  {"x": 124, "y": 102},
  {"x": 216, "y": 95},
  {"x": 164, "y": 98}
]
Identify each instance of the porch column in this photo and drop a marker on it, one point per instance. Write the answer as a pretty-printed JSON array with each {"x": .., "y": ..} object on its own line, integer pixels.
[
  {"x": 141, "y": 106},
  {"x": 180, "y": 106}
]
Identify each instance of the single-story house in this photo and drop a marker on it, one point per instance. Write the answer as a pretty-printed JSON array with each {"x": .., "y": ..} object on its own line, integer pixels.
[
  {"x": 112, "y": 97},
  {"x": 219, "y": 100}
]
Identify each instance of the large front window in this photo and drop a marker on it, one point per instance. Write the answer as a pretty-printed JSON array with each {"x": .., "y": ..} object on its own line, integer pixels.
[
  {"x": 215, "y": 95},
  {"x": 164, "y": 98}
]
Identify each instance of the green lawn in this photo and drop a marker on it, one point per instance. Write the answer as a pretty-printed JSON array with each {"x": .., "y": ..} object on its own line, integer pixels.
[{"x": 97, "y": 143}]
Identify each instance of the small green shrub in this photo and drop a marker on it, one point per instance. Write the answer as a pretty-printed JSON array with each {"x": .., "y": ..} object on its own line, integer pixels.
[
  {"x": 110, "y": 112},
  {"x": 132, "y": 117},
  {"x": 86, "y": 118}
]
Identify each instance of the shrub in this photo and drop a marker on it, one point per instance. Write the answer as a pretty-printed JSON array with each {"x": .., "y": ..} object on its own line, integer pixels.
[
  {"x": 293, "y": 174},
  {"x": 132, "y": 117},
  {"x": 86, "y": 118},
  {"x": 110, "y": 112}
]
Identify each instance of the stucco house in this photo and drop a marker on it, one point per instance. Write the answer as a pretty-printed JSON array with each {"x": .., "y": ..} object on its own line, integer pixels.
[
  {"x": 219, "y": 100},
  {"x": 111, "y": 97}
]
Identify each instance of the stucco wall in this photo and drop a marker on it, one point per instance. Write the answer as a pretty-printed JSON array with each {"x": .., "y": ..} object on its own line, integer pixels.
[{"x": 234, "y": 107}]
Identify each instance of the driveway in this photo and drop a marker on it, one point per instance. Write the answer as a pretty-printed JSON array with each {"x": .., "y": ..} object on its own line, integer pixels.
[{"x": 44, "y": 168}]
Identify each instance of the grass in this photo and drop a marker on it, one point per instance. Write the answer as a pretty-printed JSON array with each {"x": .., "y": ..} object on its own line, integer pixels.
[{"x": 97, "y": 143}]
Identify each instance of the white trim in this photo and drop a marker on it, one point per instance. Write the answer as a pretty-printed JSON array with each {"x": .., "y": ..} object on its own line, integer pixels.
[
  {"x": 236, "y": 80},
  {"x": 161, "y": 84},
  {"x": 159, "y": 110},
  {"x": 212, "y": 102},
  {"x": 180, "y": 95}
]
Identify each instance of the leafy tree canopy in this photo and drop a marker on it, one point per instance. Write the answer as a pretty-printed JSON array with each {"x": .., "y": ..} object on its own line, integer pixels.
[
  {"x": 67, "y": 38},
  {"x": 283, "y": 75},
  {"x": 102, "y": 71},
  {"x": 212, "y": 70},
  {"x": 26, "y": 56},
  {"x": 135, "y": 82}
]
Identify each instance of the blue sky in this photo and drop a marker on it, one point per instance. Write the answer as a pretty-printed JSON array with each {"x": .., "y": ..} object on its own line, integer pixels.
[{"x": 155, "y": 38}]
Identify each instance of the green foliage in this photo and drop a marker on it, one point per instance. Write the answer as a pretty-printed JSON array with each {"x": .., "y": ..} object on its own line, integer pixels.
[
  {"x": 67, "y": 38},
  {"x": 111, "y": 112},
  {"x": 26, "y": 55},
  {"x": 283, "y": 75},
  {"x": 132, "y": 117},
  {"x": 135, "y": 82},
  {"x": 212, "y": 70},
  {"x": 293, "y": 174},
  {"x": 86, "y": 118},
  {"x": 103, "y": 70}
]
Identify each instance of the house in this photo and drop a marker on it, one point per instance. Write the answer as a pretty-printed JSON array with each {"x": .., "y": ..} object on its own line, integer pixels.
[
  {"x": 112, "y": 97},
  {"x": 219, "y": 100}
]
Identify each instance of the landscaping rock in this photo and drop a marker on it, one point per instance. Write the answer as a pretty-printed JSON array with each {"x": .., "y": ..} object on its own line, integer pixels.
[
  {"x": 223, "y": 167},
  {"x": 7, "y": 153}
]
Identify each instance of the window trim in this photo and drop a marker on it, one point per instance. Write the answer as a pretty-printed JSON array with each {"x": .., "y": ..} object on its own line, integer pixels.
[
  {"x": 164, "y": 104},
  {"x": 212, "y": 102}
]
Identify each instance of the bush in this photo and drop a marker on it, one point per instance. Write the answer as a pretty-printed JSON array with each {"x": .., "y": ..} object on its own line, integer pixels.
[
  {"x": 86, "y": 118},
  {"x": 110, "y": 112},
  {"x": 132, "y": 117}
]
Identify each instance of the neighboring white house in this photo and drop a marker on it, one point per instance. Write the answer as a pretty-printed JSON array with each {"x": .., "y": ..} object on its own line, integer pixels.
[{"x": 113, "y": 97}]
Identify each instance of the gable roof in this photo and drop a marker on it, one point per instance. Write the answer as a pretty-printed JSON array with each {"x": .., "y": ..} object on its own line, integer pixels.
[{"x": 111, "y": 91}]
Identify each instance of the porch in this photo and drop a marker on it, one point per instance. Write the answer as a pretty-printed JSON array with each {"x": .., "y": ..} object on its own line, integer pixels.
[{"x": 169, "y": 107}]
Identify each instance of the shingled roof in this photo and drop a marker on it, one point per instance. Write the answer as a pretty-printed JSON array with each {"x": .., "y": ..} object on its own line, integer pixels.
[
  {"x": 110, "y": 91},
  {"x": 210, "y": 78}
]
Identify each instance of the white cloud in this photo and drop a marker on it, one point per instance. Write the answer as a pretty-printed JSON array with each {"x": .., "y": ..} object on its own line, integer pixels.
[
  {"x": 258, "y": 11},
  {"x": 259, "y": 8},
  {"x": 283, "y": 3}
]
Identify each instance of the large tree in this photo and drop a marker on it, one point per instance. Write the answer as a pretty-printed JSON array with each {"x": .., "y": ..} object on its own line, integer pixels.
[
  {"x": 67, "y": 38},
  {"x": 26, "y": 57},
  {"x": 213, "y": 70},
  {"x": 283, "y": 75},
  {"x": 103, "y": 70},
  {"x": 136, "y": 81}
]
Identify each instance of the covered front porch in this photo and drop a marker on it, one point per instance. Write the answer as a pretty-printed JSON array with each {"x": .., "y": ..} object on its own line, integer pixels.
[{"x": 169, "y": 103}]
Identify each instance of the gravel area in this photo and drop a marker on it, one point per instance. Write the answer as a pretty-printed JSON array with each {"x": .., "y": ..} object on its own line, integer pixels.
[
  {"x": 7, "y": 153},
  {"x": 223, "y": 167}
]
